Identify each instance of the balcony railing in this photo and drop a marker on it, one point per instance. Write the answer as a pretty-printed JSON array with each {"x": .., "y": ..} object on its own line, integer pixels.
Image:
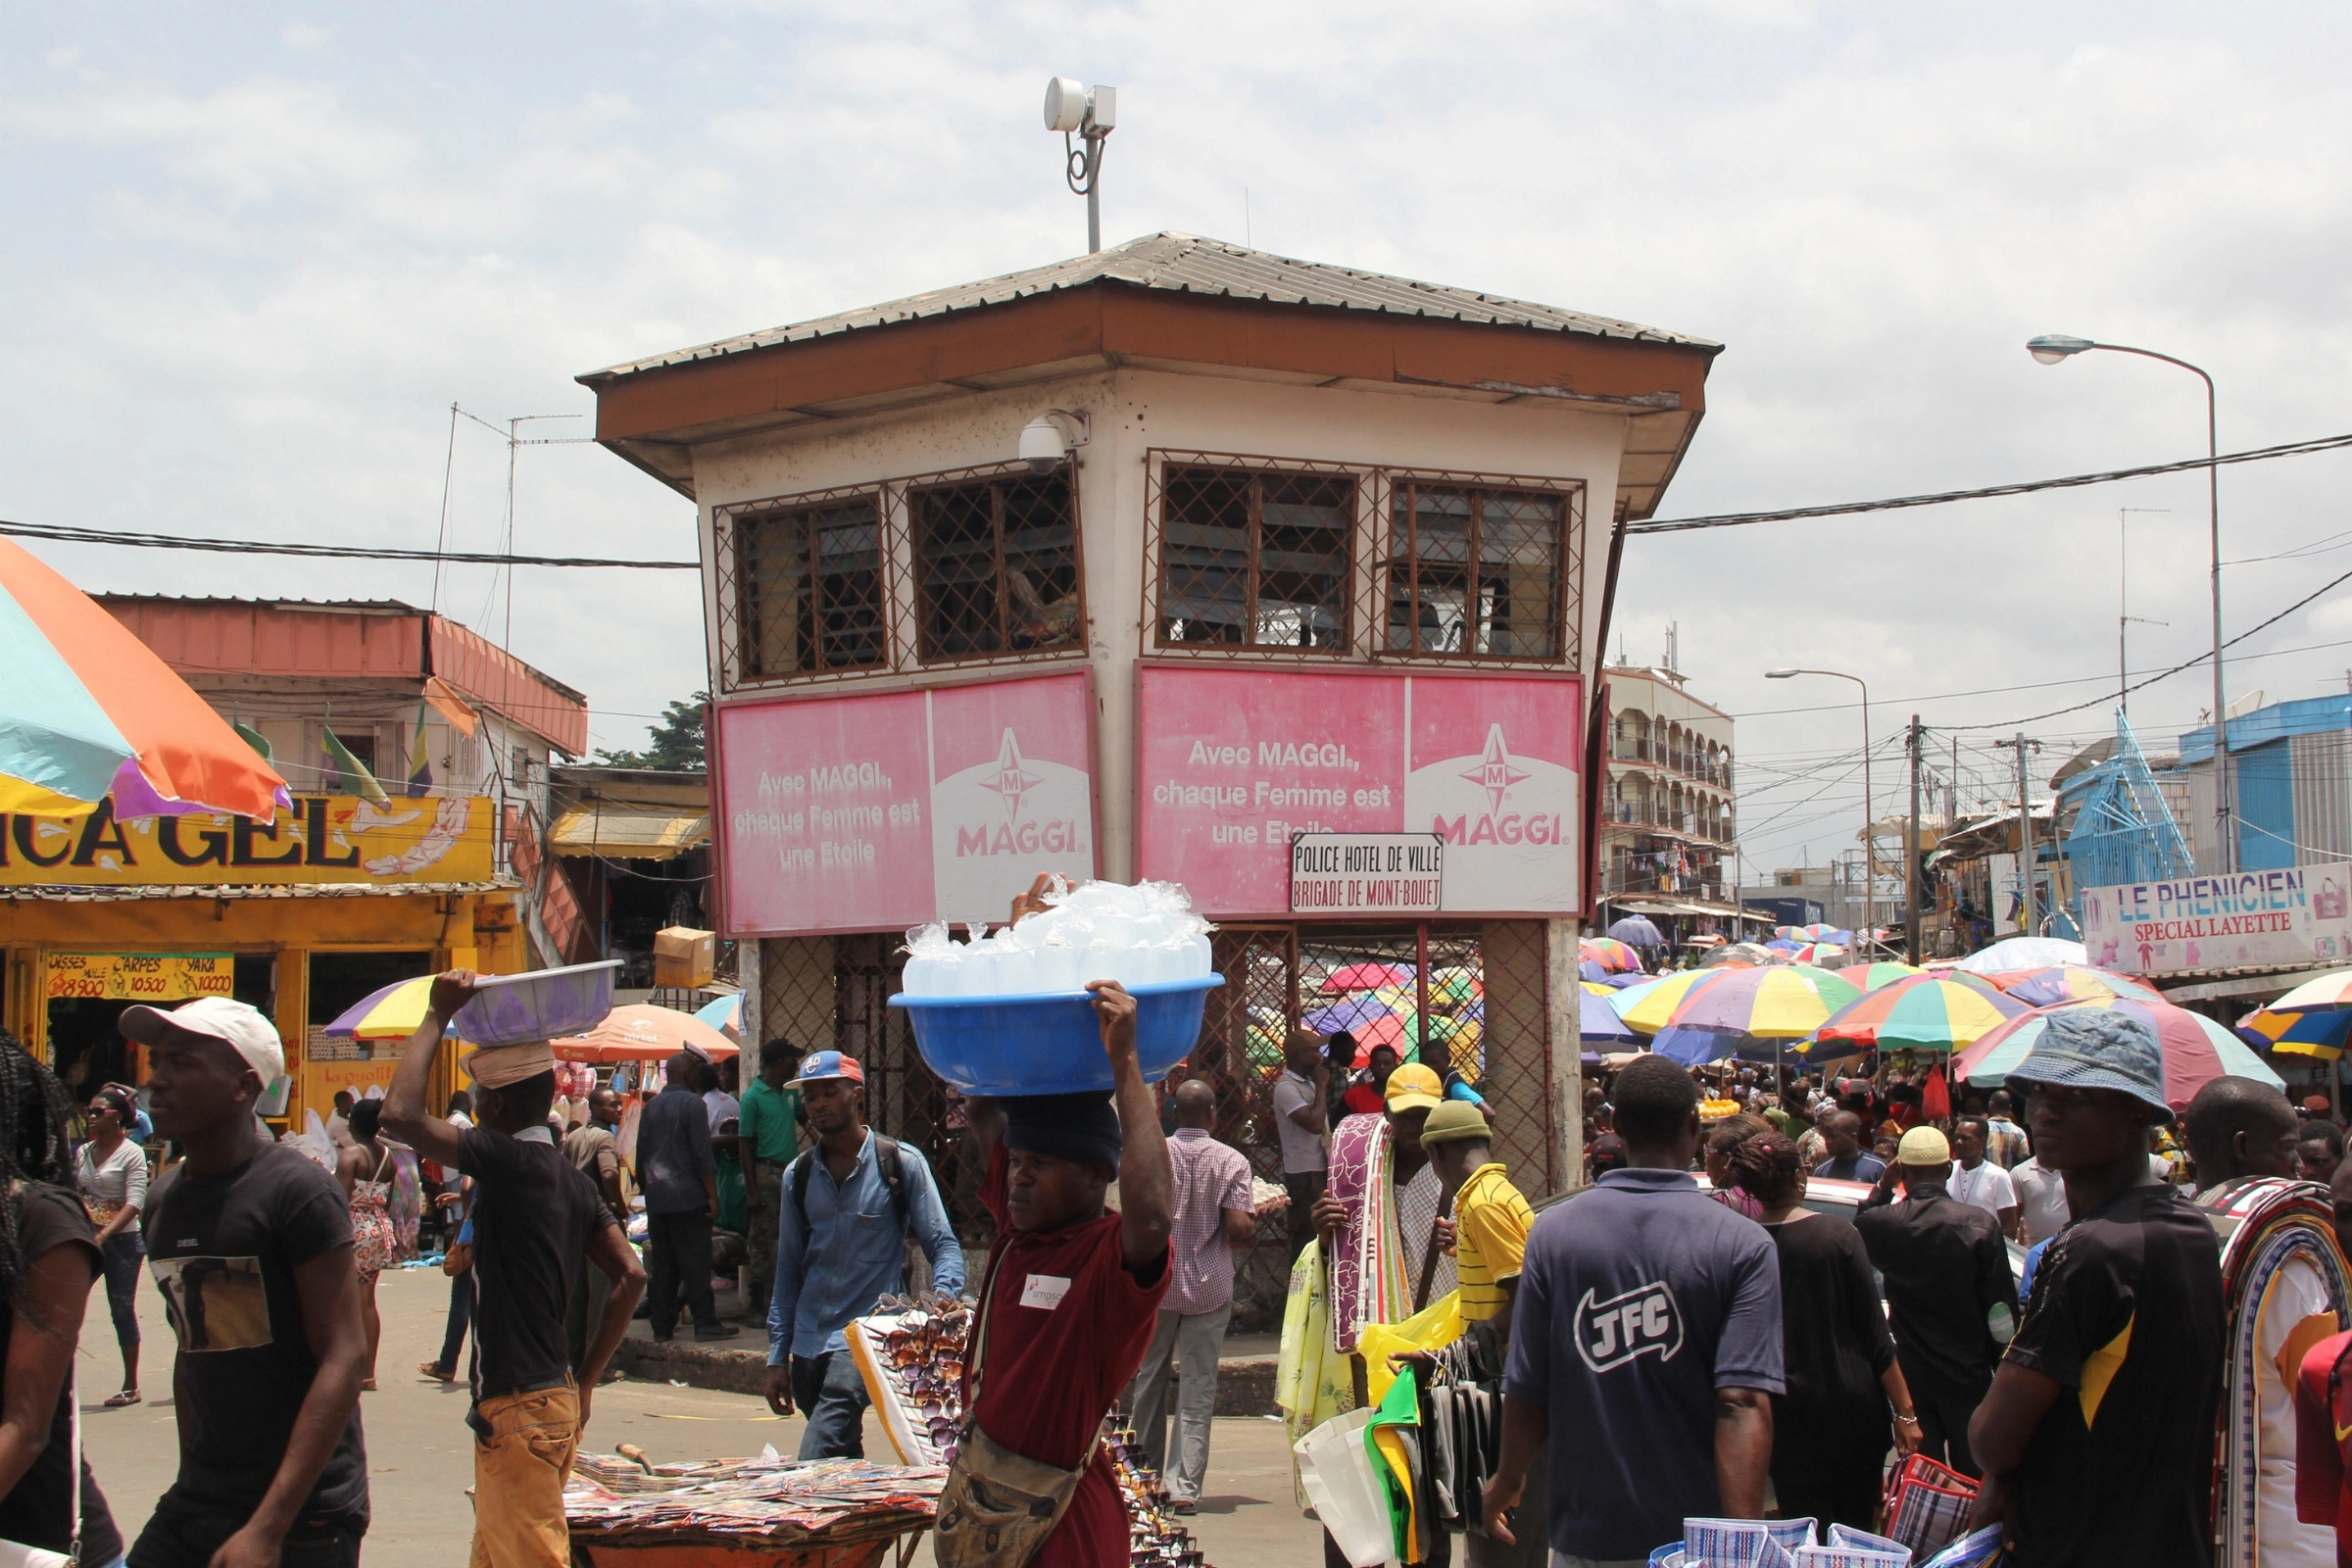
[{"x": 1688, "y": 765}]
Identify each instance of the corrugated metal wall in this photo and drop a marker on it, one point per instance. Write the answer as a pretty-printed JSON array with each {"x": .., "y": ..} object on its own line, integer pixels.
[
  {"x": 2266, "y": 806},
  {"x": 2323, "y": 777}
]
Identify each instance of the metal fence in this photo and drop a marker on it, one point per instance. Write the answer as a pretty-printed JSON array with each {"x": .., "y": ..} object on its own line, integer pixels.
[{"x": 1471, "y": 995}]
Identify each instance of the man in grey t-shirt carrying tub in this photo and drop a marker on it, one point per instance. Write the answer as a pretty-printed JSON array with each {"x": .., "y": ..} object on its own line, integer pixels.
[{"x": 1645, "y": 1342}]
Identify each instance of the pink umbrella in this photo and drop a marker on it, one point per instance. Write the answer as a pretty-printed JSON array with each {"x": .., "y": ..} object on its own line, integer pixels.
[{"x": 1367, "y": 977}]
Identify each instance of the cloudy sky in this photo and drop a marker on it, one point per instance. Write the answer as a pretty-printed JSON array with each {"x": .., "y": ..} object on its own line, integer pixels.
[{"x": 254, "y": 253}]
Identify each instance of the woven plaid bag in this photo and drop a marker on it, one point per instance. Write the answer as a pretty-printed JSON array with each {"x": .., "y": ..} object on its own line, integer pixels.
[{"x": 1926, "y": 1505}]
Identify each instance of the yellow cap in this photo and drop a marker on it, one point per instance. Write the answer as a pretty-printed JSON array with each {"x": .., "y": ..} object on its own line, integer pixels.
[
  {"x": 1923, "y": 1146},
  {"x": 1413, "y": 1087}
]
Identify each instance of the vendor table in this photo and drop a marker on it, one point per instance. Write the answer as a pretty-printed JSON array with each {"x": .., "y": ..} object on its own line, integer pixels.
[{"x": 768, "y": 1513}]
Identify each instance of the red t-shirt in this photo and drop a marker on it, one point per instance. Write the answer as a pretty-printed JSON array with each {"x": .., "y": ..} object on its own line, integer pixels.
[
  {"x": 2321, "y": 1433},
  {"x": 1067, "y": 1327},
  {"x": 1364, "y": 1099}
]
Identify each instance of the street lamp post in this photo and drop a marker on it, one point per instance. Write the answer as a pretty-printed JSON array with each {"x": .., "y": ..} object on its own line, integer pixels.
[
  {"x": 2055, "y": 347},
  {"x": 1870, "y": 858}
]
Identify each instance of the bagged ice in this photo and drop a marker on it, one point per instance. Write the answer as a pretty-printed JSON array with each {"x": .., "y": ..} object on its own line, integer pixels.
[{"x": 1142, "y": 934}]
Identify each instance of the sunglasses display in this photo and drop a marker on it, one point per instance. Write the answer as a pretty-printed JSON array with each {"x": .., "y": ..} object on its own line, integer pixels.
[{"x": 910, "y": 1351}]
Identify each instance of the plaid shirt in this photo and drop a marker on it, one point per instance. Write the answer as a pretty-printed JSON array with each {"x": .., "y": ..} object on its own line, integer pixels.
[{"x": 1210, "y": 1178}]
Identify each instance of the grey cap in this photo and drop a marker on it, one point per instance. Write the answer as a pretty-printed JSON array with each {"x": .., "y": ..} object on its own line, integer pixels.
[{"x": 2097, "y": 1048}]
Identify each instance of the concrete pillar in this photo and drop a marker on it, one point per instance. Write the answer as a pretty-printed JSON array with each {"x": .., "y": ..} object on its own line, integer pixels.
[{"x": 1564, "y": 1039}]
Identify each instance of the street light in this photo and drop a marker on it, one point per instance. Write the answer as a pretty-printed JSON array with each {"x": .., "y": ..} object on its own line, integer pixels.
[
  {"x": 1870, "y": 855},
  {"x": 2054, "y": 348}
]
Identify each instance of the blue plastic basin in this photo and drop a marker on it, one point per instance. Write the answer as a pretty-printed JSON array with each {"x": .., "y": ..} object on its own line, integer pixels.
[{"x": 1051, "y": 1044}]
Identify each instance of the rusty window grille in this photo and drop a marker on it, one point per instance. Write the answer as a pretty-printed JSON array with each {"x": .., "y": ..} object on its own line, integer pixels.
[
  {"x": 1478, "y": 570},
  {"x": 996, "y": 566},
  {"x": 809, "y": 587},
  {"x": 1255, "y": 557}
]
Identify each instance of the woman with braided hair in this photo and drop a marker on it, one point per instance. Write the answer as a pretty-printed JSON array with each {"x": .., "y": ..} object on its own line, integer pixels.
[
  {"x": 1829, "y": 1430},
  {"x": 48, "y": 1257}
]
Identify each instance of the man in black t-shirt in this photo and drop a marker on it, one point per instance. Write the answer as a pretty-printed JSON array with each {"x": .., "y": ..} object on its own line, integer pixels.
[
  {"x": 536, "y": 1218},
  {"x": 249, "y": 1243},
  {"x": 2097, "y": 1435}
]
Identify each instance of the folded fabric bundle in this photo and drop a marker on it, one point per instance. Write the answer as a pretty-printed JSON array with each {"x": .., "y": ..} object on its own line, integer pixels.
[
  {"x": 1744, "y": 1543},
  {"x": 1849, "y": 1557}
]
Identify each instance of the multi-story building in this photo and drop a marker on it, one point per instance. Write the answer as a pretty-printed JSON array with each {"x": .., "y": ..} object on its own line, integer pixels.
[
  {"x": 1668, "y": 822},
  {"x": 1138, "y": 565}
]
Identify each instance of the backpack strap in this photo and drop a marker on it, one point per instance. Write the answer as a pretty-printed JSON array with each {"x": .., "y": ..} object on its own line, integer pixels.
[{"x": 796, "y": 1182}]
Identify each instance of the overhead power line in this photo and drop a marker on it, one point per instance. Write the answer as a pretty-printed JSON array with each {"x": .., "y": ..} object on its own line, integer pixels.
[
  {"x": 1843, "y": 509},
  {"x": 262, "y": 547}
]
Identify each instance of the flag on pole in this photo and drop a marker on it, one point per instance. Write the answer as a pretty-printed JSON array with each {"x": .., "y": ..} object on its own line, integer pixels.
[
  {"x": 420, "y": 758},
  {"x": 355, "y": 777},
  {"x": 253, "y": 738}
]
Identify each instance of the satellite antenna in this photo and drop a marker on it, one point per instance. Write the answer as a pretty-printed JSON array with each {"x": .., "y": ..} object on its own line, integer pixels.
[{"x": 1089, "y": 115}]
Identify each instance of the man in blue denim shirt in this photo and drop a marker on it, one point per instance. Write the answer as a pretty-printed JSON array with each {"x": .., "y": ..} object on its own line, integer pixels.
[{"x": 849, "y": 1251}]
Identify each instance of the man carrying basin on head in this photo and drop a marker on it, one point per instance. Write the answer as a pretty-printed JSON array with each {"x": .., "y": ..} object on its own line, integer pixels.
[{"x": 1067, "y": 1307}]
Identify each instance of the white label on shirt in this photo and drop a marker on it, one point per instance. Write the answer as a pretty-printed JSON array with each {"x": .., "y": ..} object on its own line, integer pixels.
[{"x": 1044, "y": 1290}]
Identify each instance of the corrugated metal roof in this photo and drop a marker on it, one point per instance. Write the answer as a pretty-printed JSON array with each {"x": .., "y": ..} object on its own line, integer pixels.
[{"x": 1188, "y": 264}]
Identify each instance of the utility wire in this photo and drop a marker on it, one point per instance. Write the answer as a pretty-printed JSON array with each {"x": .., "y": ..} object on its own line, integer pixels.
[
  {"x": 66, "y": 534},
  {"x": 1735, "y": 519}
]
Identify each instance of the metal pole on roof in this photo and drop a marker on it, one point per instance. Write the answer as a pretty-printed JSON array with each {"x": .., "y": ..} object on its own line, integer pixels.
[{"x": 1911, "y": 856}]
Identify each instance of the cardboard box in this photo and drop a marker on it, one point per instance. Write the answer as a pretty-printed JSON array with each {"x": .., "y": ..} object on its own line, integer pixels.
[{"x": 684, "y": 958}]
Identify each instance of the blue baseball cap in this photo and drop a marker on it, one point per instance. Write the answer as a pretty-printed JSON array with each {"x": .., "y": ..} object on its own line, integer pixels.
[
  {"x": 2097, "y": 1048},
  {"x": 822, "y": 1064}
]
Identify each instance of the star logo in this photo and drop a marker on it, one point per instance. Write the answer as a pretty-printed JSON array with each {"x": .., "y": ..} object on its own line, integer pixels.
[
  {"x": 1013, "y": 778},
  {"x": 1495, "y": 773}
]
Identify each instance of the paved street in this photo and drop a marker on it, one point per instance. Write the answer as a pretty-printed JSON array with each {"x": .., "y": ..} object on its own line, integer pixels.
[{"x": 420, "y": 1463}]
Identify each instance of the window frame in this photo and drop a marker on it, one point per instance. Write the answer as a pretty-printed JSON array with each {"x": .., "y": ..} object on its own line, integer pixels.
[
  {"x": 730, "y": 528},
  {"x": 908, "y": 493},
  {"x": 1568, "y": 602},
  {"x": 1165, "y": 468}
]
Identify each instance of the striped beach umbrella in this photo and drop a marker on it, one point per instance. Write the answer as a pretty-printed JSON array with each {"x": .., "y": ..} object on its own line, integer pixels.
[
  {"x": 1609, "y": 953},
  {"x": 2196, "y": 1049},
  {"x": 1777, "y": 1003},
  {"x": 1925, "y": 1013},
  {"x": 2328, "y": 992},
  {"x": 89, "y": 709},
  {"x": 1871, "y": 976},
  {"x": 2070, "y": 982}
]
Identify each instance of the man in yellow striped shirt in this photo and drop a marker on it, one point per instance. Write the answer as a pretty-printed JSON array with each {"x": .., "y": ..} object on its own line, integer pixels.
[{"x": 1490, "y": 1217}]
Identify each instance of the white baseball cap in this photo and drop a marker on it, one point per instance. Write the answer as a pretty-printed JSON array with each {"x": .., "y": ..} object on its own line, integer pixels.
[{"x": 240, "y": 1024}]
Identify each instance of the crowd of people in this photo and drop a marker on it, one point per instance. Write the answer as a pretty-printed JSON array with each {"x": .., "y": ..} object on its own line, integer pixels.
[{"x": 1769, "y": 1288}]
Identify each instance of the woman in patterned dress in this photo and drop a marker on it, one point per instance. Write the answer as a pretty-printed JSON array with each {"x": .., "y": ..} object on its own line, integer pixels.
[{"x": 364, "y": 1168}]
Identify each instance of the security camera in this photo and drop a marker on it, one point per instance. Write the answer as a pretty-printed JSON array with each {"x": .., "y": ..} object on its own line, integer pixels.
[{"x": 1050, "y": 438}]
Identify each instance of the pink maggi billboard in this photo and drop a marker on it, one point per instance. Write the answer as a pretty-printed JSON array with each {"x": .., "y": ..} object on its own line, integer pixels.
[
  {"x": 866, "y": 814},
  {"x": 1231, "y": 763}
]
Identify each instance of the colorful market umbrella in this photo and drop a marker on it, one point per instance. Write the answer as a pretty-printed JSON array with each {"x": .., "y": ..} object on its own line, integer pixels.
[
  {"x": 2332, "y": 990},
  {"x": 1367, "y": 977},
  {"x": 2320, "y": 1035},
  {"x": 1786, "y": 943},
  {"x": 1871, "y": 976},
  {"x": 1608, "y": 953},
  {"x": 2197, "y": 1049},
  {"x": 1456, "y": 984},
  {"x": 390, "y": 1012},
  {"x": 1777, "y": 1003},
  {"x": 1696, "y": 1047},
  {"x": 1599, "y": 1021},
  {"x": 1818, "y": 932},
  {"x": 724, "y": 1015},
  {"x": 1647, "y": 1008},
  {"x": 642, "y": 1032},
  {"x": 1591, "y": 969},
  {"x": 1925, "y": 1013},
  {"x": 1621, "y": 982},
  {"x": 1820, "y": 954},
  {"x": 2069, "y": 981},
  {"x": 91, "y": 710},
  {"x": 1388, "y": 1031},
  {"x": 1350, "y": 1015},
  {"x": 1636, "y": 930},
  {"x": 2025, "y": 952}
]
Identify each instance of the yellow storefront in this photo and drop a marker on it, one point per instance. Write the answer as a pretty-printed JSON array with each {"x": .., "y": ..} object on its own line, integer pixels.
[{"x": 301, "y": 917}]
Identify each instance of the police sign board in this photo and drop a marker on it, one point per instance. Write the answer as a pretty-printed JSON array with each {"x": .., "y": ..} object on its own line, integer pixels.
[{"x": 1366, "y": 873}]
